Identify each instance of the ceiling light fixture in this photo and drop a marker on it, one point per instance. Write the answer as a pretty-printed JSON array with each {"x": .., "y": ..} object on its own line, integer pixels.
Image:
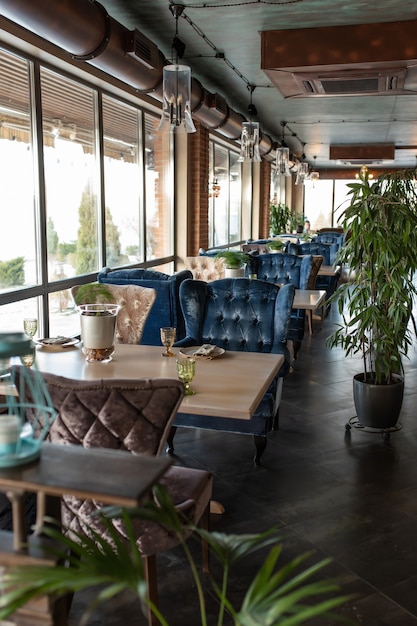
[
  {"x": 314, "y": 175},
  {"x": 249, "y": 138},
  {"x": 176, "y": 86},
  {"x": 302, "y": 173},
  {"x": 283, "y": 156}
]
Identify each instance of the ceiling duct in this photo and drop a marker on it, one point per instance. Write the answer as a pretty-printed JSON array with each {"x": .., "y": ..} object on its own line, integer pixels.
[
  {"x": 356, "y": 60},
  {"x": 88, "y": 34}
]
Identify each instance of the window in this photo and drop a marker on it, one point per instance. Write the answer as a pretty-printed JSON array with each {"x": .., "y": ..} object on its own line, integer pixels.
[
  {"x": 225, "y": 196},
  {"x": 92, "y": 187}
]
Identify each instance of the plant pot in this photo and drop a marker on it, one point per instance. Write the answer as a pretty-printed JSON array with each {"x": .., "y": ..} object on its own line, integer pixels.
[
  {"x": 233, "y": 272},
  {"x": 98, "y": 325},
  {"x": 378, "y": 406}
]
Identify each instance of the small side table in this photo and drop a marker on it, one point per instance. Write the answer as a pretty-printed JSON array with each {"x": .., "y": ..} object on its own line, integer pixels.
[{"x": 110, "y": 476}]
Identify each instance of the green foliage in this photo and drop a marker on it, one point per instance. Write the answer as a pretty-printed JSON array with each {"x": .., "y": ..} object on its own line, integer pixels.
[
  {"x": 233, "y": 259},
  {"x": 93, "y": 293},
  {"x": 275, "y": 244},
  {"x": 51, "y": 237},
  {"x": 87, "y": 253},
  {"x": 64, "y": 249},
  {"x": 381, "y": 252},
  {"x": 279, "y": 218},
  {"x": 284, "y": 596},
  {"x": 12, "y": 273}
]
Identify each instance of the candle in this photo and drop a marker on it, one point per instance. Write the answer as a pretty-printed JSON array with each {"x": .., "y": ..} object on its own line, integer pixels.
[{"x": 9, "y": 433}]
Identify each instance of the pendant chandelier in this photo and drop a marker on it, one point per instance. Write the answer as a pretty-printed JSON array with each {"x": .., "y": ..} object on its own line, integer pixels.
[
  {"x": 314, "y": 175},
  {"x": 176, "y": 86},
  {"x": 250, "y": 135},
  {"x": 283, "y": 156},
  {"x": 302, "y": 173}
]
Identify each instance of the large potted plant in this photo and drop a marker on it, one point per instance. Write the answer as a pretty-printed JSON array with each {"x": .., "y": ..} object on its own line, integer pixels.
[
  {"x": 376, "y": 305},
  {"x": 279, "y": 217},
  {"x": 234, "y": 262}
]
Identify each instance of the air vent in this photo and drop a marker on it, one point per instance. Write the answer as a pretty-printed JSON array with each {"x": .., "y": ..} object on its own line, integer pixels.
[
  {"x": 351, "y": 82},
  {"x": 143, "y": 50}
]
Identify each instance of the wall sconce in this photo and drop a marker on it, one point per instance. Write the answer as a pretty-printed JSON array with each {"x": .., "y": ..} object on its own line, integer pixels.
[
  {"x": 176, "y": 86},
  {"x": 249, "y": 138},
  {"x": 302, "y": 173},
  {"x": 215, "y": 189}
]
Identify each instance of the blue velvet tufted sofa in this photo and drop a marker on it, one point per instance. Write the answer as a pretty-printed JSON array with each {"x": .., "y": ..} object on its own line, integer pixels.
[
  {"x": 334, "y": 240},
  {"x": 166, "y": 310},
  {"x": 242, "y": 315},
  {"x": 282, "y": 268}
]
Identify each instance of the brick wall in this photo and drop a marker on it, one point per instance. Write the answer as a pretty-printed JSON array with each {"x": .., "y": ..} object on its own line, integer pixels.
[{"x": 198, "y": 167}]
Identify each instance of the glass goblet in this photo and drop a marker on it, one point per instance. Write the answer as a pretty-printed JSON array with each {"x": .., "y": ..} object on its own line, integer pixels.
[
  {"x": 186, "y": 372},
  {"x": 30, "y": 325},
  {"x": 29, "y": 358},
  {"x": 168, "y": 334}
]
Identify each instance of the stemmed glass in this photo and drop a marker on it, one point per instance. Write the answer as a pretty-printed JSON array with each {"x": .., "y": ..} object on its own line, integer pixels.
[
  {"x": 168, "y": 334},
  {"x": 186, "y": 372},
  {"x": 30, "y": 325}
]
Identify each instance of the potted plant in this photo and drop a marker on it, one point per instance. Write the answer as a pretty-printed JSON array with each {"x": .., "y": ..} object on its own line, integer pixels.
[
  {"x": 376, "y": 306},
  {"x": 275, "y": 245},
  {"x": 98, "y": 312},
  {"x": 279, "y": 217},
  {"x": 234, "y": 262},
  {"x": 287, "y": 594}
]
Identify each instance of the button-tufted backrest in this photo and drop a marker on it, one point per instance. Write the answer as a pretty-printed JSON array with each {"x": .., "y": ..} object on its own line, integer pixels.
[
  {"x": 318, "y": 249},
  {"x": 237, "y": 314},
  {"x": 284, "y": 268},
  {"x": 205, "y": 267}
]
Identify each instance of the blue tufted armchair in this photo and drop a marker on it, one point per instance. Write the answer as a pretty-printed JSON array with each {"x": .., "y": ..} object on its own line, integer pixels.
[
  {"x": 282, "y": 268},
  {"x": 166, "y": 310},
  {"x": 242, "y": 315},
  {"x": 328, "y": 283}
]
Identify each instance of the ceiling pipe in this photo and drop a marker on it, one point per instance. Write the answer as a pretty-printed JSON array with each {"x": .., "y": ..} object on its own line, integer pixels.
[{"x": 84, "y": 29}]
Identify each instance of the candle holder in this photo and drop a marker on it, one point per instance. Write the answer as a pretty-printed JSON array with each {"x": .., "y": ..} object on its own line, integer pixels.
[{"x": 26, "y": 409}]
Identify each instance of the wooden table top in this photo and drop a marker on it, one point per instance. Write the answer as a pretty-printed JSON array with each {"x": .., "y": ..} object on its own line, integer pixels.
[
  {"x": 310, "y": 299},
  {"x": 111, "y": 476},
  {"x": 231, "y": 385},
  {"x": 329, "y": 270}
]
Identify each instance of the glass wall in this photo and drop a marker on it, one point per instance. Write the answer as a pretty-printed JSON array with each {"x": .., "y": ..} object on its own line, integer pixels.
[
  {"x": 324, "y": 202},
  {"x": 225, "y": 196},
  {"x": 81, "y": 188}
]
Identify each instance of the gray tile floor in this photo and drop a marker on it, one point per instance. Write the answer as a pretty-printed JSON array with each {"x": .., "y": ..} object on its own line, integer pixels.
[{"x": 351, "y": 496}]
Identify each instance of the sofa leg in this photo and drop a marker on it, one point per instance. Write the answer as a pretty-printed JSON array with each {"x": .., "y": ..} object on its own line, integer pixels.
[
  {"x": 170, "y": 440},
  {"x": 260, "y": 444}
]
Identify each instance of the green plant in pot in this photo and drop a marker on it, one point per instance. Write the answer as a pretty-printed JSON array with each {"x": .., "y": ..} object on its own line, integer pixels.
[
  {"x": 288, "y": 594},
  {"x": 98, "y": 312},
  {"x": 279, "y": 217},
  {"x": 376, "y": 306},
  {"x": 275, "y": 245},
  {"x": 234, "y": 261}
]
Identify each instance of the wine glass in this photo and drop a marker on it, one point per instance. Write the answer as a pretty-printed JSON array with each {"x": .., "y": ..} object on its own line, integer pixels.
[
  {"x": 186, "y": 372},
  {"x": 30, "y": 325},
  {"x": 168, "y": 334},
  {"x": 29, "y": 358}
]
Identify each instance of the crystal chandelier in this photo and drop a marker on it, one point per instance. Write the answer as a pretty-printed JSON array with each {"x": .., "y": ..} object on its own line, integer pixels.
[{"x": 302, "y": 173}]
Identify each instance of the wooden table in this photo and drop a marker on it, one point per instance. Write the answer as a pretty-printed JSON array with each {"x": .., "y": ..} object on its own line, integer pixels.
[
  {"x": 225, "y": 386},
  {"x": 329, "y": 270},
  {"x": 310, "y": 300}
]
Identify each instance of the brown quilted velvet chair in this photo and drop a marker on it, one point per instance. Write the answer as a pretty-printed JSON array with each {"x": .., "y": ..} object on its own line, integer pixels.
[
  {"x": 131, "y": 415},
  {"x": 135, "y": 305}
]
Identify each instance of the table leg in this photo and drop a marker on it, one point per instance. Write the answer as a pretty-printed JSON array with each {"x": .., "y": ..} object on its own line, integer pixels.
[{"x": 17, "y": 498}]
